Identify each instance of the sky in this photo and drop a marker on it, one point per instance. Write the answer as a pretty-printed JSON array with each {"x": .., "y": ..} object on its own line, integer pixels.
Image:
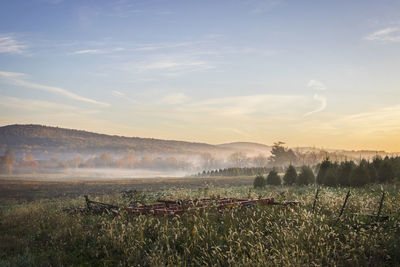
[{"x": 309, "y": 73}]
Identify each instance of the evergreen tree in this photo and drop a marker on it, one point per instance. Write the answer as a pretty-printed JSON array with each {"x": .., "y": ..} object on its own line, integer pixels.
[
  {"x": 323, "y": 168},
  {"x": 359, "y": 176},
  {"x": 345, "y": 170},
  {"x": 306, "y": 176},
  {"x": 259, "y": 181},
  {"x": 331, "y": 175},
  {"x": 273, "y": 178},
  {"x": 290, "y": 176},
  {"x": 385, "y": 172}
]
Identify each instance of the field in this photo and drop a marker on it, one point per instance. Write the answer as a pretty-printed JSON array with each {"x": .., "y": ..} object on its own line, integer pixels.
[{"x": 41, "y": 229}]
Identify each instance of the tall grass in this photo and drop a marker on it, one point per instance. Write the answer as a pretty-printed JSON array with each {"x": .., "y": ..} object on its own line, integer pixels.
[{"x": 41, "y": 233}]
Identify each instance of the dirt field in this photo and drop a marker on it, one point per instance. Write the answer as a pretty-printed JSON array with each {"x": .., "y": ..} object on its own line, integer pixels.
[{"x": 28, "y": 190}]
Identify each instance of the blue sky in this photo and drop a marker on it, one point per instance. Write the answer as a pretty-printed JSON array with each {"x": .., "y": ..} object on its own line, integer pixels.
[{"x": 306, "y": 72}]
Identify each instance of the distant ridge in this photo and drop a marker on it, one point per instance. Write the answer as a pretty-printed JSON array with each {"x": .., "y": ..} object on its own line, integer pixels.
[{"x": 40, "y": 137}]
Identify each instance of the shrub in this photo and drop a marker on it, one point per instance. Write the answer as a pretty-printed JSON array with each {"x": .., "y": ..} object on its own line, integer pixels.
[
  {"x": 273, "y": 178},
  {"x": 259, "y": 181},
  {"x": 306, "y": 176}
]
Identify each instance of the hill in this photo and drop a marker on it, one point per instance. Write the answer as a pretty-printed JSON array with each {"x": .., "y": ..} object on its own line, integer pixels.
[{"x": 38, "y": 138}]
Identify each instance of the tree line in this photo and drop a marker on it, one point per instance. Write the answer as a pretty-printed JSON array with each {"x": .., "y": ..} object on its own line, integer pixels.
[{"x": 329, "y": 173}]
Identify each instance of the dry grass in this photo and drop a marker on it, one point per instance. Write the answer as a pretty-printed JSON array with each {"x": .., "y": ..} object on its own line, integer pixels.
[{"x": 41, "y": 233}]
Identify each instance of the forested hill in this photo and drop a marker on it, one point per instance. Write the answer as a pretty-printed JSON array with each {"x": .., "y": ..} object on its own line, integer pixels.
[{"x": 38, "y": 138}]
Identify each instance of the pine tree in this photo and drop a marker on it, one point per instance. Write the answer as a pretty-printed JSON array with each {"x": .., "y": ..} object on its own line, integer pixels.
[
  {"x": 290, "y": 176},
  {"x": 273, "y": 178},
  {"x": 259, "y": 181},
  {"x": 306, "y": 176}
]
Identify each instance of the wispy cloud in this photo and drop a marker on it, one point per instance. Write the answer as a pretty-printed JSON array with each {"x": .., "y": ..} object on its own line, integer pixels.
[
  {"x": 316, "y": 85},
  {"x": 118, "y": 93},
  {"x": 97, "y": 51},
  {"x": 158, "y": 46},
  {"x": 9, "y": 44},
  {"x": 176, "y": 65},
  {"x": 387, "y": 35},
  {"x": 238, "y": 106},
  {"x": 121, "y": 95},
  {"x": 322, "y": 104},
  {"x": 87, "y": 51},
  {"x": 34, "y": 105},
  {"x": 19, "y": 80},
  {"x": 386, "y": 118},
  {"x": 7, "y": 74}
]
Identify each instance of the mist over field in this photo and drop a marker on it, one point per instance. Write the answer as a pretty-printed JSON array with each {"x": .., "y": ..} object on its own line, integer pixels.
[
  {"x": 199, "y": 133},
  {"x": 57, "y": 153}
]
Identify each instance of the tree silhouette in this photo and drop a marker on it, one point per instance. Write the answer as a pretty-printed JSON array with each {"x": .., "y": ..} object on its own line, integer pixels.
[
  {"x": 273, "y": 178},
  {"x": 306, "y": 176},
  {"x": 290, "y": 176}
]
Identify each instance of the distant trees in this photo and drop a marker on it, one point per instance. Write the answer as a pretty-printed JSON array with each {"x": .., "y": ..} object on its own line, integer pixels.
[
  {"x": 282, "y": 156},
  {"x": 290, "y": 176},
  {"x": 238, "y": 159},
  {"x": 247, "y": 171},
  {"x": 260, "y": 160},
  {"x": 348, "y": 173},
  {"x": 29, "y": 164},
  {"x": 7, "y": 162},
  {"x": 208, "y": 161},
  {"x": 273, "y": 178}
]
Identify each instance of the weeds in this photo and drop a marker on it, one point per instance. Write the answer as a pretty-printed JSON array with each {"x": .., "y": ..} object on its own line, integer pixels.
[{"x": 40, "y": 233}]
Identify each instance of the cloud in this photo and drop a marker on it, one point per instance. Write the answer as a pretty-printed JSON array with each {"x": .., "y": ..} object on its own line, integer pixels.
[
  {"x": 34, "y": 105},
  {"x": 118, "y": 93},
  {"x": 97, "y": 51},
  {"x": 18, "y": 79},
  {"x": 387, "y": 35},
  {"x": 158, "y": 46},
  {"x": 323, "y": 103},
  {"x": 316, "y": 85},
  {"x": 386, "y": 118},
  {"x": 87, "y": 51},
  {"x": 10, "y": 45},
  {"x": 176, "y": 65},
  {"x": 6, "y": 74},
  {"x": 244, "y": 106}
]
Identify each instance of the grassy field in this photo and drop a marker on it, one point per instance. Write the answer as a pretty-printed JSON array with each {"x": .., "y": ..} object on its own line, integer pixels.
[{"x": 40, "y": 232}]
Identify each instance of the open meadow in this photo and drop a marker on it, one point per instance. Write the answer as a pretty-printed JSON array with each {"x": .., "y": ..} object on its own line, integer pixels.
[{"x": 48, "y": 228}]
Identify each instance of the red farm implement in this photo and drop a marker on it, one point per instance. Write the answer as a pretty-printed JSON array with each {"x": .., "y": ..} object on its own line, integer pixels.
[{"x": 172, "y": 207}]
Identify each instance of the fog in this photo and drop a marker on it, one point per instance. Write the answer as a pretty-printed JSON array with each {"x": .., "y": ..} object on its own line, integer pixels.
[{"x": 96, "y": 174}]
